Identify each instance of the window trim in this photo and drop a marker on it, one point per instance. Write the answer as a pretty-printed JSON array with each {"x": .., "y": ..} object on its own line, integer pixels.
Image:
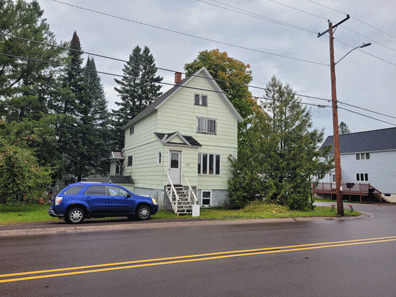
[
  {"x": 159, "y": 158},
  {"x": 131, "y": 130},
  {"x": 206, "y": 126},
  {"x": 210, "y": 199},
  {"x": 200, "y": 101},
  {"x": 130, "y": 161},
  {"x": 204, "y": 161},
  {"x": 362, "y": 177}
]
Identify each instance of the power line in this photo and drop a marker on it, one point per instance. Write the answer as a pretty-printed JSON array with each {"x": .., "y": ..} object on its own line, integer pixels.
[
  {"x": 190, "y": 35},
  {"x": 367, "y": 116},
  {"x": 119, "y": 75},
  {"x": 173, "y": 71},
  {"x": 318, "y": 16},
  {"x": 188, "y": 87},
  {"x": 346, "y": 28},
  {"x": 352, "y": 18},
  {"x": 255, "y": 15}
]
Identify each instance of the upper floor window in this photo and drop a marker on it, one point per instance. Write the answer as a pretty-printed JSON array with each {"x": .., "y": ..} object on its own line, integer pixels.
[
  {"x": 130, "y": 159},
  {"x": 206, "y": 125},
  {"x": 363, "y": 156},
  {"x": 159, "y": 160},
  {"x": 201, "y": 100},
  {"x": 131, "y": 130}
]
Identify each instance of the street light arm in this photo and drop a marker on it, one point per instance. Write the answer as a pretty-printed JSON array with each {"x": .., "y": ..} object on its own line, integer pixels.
[{"x": 360, "y": 46}]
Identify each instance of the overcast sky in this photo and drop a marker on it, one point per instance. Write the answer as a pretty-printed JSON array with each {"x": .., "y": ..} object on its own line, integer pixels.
[{"x": 362, "y": 79}]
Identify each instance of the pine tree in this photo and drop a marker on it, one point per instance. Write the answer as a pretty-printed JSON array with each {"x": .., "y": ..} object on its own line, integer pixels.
[
  {"x": 295, "y": 157},
  {"x": 25, "y": 86},
  {"x": 138, "y": 87},
  {"x": 344, "y": 128},
  {"x": 100, "y": 118},
  {"x": 76, "y": 135},
  {"x": 279, "y": 155}
]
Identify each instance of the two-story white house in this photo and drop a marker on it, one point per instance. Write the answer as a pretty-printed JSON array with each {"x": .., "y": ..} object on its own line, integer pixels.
[
  {"x": 181, "y": 142},
  {"x": 367, "y": 157}
]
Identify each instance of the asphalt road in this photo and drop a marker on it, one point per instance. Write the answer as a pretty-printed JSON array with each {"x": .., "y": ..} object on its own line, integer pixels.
[{"x": 339, "y": 257}]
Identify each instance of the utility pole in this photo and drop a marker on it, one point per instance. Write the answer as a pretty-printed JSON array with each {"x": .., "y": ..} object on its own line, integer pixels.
[{"x": 336, "y": 140}]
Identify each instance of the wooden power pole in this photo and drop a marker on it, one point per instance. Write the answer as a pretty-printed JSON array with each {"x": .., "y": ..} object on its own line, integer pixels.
[{"x": 336, "y": 140}]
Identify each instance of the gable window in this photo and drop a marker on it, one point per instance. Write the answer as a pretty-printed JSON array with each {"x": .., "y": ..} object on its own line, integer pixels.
[
  {"x": 159, "y": 160},
  {"x": 201, "y": 100},
  {"x": 130, "y": 160},
  {"x": 209, "y": 164},
  {"x": 206, "y": 198},
  {"x": 131, "y": 130},
  {"x": 206, "y": 125}
]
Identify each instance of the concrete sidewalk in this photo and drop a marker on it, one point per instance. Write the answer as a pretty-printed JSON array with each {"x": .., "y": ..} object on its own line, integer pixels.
[{"x": 54, "y": 227}]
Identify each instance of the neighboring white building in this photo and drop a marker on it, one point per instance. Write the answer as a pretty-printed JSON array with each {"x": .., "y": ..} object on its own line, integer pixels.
[
  {"x": 185, "y": 136},
  {"x": 368, "y": 158}
]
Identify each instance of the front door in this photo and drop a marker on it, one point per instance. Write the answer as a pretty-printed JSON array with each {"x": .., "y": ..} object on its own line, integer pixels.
[{"x": 175, "y": 167}]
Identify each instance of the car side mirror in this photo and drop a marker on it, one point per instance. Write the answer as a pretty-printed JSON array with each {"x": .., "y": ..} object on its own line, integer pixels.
[{"x": 129, "y": 195}]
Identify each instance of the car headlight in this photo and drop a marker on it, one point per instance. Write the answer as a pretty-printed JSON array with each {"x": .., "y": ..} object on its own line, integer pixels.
[
  {"x": 154, "y": 202},
  {"x": 58, "y": 200}
]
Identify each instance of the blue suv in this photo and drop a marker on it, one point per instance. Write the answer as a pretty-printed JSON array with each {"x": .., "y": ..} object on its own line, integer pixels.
[{"x": 86, "y": 200}]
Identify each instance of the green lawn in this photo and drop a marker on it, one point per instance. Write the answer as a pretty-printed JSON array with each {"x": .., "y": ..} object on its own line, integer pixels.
[{"x": 39, "y": 212}]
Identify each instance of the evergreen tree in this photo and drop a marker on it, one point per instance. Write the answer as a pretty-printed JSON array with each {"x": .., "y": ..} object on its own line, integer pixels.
[
  {"x": 76, "y": 135},
  {"x": 282, "y": 149},
  {"x": 100, "y": 118},
  {"x": 25, "y": 86},
  {"x": 344, "y": 128},
  {"x": 138, "y": 87}
]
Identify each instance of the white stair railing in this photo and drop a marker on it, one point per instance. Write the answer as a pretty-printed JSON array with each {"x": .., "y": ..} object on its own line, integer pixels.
[
  {"x": 173, "y": 190},
  {"x": 190, "y": 190}
]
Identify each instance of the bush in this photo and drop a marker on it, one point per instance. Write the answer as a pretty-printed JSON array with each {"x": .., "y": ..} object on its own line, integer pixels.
[{"x": 21, "y": 178}]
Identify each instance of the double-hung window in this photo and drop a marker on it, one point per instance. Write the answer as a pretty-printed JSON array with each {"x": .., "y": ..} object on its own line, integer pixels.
[
  {"x": 206, "y": 125},
  {"x": 130, "y": 160},
  {"x": 201, "y": 100},
  {"x": 209, "y": 164}
]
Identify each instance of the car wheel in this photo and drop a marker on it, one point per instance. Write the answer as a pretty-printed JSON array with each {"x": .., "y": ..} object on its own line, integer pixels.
[
  {"x": 75, "y": 216},
  {"x": 143, "y": 212}
]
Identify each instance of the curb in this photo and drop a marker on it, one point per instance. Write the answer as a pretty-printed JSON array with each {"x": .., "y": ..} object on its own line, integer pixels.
[{"x": 137, "y": 226}]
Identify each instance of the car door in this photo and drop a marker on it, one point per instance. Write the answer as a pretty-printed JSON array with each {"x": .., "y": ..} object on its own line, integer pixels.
[
  {"x": 122, "y": 200},
  {"x": 95, "y": 196}
]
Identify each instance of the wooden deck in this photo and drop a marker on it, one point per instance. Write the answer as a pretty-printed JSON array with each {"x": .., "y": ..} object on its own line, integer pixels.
[{"x": 350, "y": 189}]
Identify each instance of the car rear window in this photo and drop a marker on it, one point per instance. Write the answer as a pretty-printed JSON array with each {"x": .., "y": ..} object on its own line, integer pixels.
[
  {"x": 73, "y": 190},
  {"x": 96, "y": 190}
]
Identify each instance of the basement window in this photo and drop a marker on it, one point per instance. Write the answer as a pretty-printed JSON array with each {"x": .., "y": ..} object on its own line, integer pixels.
[{"x": 206, "y": 198}]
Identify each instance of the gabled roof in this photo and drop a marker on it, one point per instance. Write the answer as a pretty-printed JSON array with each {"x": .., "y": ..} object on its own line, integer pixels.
[
  {"x": 367, "y": 141},
  {"x": 116, "y": 155},
  {"x": 166, "y": 139},
  {"x": 203, "y": 72}
]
